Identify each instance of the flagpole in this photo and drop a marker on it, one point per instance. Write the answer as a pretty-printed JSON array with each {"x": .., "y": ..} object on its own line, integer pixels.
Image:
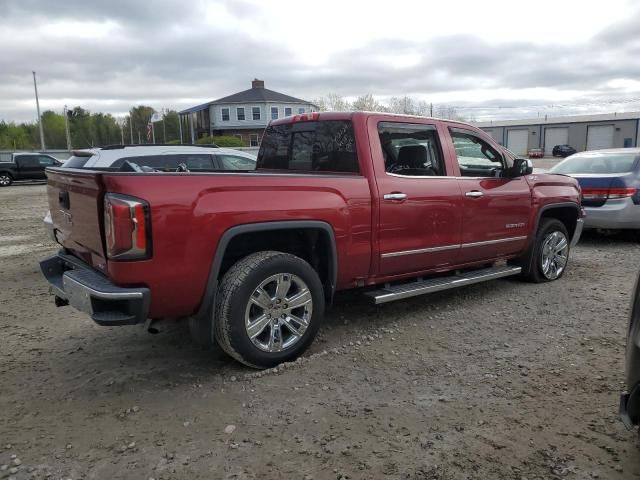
[{"x": 35, "y": 87}]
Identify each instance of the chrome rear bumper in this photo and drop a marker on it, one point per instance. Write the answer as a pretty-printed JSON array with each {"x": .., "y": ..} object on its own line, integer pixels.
[{"x": 87, "y": 290}]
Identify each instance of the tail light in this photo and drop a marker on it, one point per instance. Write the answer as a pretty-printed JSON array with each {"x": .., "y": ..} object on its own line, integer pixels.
[
  {"x": 127, "y": 227},
  {"x": 604, "y": 193}
]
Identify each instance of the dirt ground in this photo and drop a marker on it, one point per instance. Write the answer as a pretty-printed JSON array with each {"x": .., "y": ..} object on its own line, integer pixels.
[{"x": 503, "y": 380}]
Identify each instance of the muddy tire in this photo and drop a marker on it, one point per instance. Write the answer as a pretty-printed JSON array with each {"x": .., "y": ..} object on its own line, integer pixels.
[
  {"x": 269, "y": 307},
  {"x": 548, "y": 256}
]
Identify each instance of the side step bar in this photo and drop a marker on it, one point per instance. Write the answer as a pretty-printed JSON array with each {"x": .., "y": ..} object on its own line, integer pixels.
[{"x": 397, "y": 292}]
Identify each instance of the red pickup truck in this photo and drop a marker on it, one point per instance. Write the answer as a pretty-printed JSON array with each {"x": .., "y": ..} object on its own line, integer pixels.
[{"x": 394, "y": 205}]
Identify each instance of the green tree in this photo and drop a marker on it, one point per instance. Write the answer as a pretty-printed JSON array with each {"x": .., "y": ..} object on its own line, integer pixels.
[
  {"x": 171, "y": 126},
  {"x": 54, "y": 134},
  {"x": 139, "y": 117},
  {"x": 14, "y": 137}
]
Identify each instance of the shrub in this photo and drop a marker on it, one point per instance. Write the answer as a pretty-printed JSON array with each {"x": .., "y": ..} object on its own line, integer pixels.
[{"x": 221, "y": 141}]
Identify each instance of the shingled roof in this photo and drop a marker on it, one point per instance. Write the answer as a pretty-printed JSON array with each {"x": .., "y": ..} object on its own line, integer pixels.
[{"x": 256, "y": 94}]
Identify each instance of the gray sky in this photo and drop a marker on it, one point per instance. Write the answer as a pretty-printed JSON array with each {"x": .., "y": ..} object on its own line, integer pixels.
[{"x": 551, "y": 57}]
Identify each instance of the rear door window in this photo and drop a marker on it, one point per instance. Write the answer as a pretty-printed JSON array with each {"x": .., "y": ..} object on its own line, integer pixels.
[
  {"x": 169, "y": 163},
  {"x": 28, "y": 161},
  {"x": 411, "y": 149},
  {"x": 313, "y": 146},
  {"x": 235, "y": 162}
]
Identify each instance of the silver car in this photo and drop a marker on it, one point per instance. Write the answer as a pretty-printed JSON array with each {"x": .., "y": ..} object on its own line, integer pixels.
[{"x": 610, "y": 182}]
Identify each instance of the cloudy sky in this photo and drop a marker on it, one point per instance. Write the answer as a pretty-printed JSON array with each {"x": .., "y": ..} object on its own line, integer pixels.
[{"x": 549, "y": 57}]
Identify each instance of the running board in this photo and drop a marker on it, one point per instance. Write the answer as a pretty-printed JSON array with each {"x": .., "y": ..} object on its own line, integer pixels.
[{"x": 398, "y": 292}]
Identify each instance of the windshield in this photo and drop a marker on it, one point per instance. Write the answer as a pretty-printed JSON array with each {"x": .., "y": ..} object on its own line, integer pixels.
[{"x": 597, "y": 163}]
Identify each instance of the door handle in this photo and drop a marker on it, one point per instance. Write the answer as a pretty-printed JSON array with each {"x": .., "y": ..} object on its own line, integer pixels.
[
  {"x": 474, "y": 194},
  {"x": 395, "y": 196}
]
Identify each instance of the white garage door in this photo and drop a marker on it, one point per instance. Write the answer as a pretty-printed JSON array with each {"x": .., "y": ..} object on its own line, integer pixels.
[
  {"x": 497, "y": 135},
  {"x": 600, "y": 136},
  {"x": 518, "y": 141},
  {"x": 555, "y": 136}
]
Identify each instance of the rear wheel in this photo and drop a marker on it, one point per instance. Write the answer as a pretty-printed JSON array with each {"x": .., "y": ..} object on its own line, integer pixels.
[
  {"x": 5, "y": 179},
  {"x": 548, "y": 256},
  {"x": 269, "y": 308}
]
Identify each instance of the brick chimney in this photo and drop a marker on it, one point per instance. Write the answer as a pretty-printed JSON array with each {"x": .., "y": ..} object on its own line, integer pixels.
[{"x": 257, "y": 83}]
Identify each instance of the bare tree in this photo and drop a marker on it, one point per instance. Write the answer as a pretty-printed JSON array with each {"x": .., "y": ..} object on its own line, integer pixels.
[
  {"x": 408, "y": 106},
  {"x": 368, "y": 103},
  {"x": 333, "y": 103},
  {"x": 447, "y": 112}
]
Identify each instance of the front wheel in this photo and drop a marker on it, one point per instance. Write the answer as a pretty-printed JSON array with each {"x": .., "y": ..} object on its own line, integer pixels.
[
  {"x": 5, "y": 179},
  {"x": 549, "y": 254},
  {"x": 269, "y": 308}
]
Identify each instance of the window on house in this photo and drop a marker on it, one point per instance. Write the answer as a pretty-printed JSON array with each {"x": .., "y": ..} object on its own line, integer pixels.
[
  {"x": 274, "y": 113},
  {"x": 255, "y": 111},
  {"x": 240, "y": 113},
  {"x": 287, "y": 111},
  {"x": 225, "y": 114},
  {"x": 301, "y": 110},
  {"x": 327, "y": 146},
  {"x": 253, "y": 139}
]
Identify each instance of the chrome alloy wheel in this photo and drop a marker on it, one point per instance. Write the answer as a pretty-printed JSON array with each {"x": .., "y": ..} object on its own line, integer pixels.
[
  {"x": 5, "y": 180},
  {"x": 278, "y": 312},
  {"x": 555, "y": 252}
]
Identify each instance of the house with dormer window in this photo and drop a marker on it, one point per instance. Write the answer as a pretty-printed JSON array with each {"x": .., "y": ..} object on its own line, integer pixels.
[{"x": 244, "y": 114}]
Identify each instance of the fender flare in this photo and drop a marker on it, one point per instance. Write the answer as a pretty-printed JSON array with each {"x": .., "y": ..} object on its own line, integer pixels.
[
  {"x": 552, "y": 206},
  {"x": 209, "y": 296}
]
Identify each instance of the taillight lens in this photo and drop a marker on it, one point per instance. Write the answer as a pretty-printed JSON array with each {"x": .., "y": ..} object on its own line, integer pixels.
[
  {"x": 604, "y": 193},
  {"x": 621, "y": 192},
  {"x": 127, "y": 227}
]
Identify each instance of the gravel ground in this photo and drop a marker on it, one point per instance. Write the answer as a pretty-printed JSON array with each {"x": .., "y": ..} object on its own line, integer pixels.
[{"x": 503, "y": 380}]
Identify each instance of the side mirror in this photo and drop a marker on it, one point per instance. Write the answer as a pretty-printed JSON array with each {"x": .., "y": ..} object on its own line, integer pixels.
[{"x": 521, "y": 167}]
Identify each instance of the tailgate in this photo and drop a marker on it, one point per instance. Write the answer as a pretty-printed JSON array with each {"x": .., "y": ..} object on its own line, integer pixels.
[{"x": 75, "y": 200}]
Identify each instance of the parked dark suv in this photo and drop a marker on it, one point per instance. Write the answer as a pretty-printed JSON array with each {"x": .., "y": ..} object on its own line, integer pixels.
[
  {"x": 630, "y": 400},
  {"x": 563, "y": 151}
]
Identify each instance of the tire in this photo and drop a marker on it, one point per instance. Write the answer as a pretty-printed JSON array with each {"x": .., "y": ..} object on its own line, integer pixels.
[
  {"x": 5, "y": 179},
  {"x": 550, "y": 237},
  {"x": 253, "y": 295}
]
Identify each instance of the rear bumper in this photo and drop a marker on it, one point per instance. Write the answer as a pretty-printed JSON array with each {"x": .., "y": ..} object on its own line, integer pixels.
[
  {"x": 617, "y": 213},
  {"x": 92, "y": 293}
]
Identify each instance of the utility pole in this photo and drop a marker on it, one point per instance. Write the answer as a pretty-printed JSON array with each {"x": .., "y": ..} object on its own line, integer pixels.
[
  {"x": 431, "y": 109},
  {"x": 121, "y": 132},
  {"x": 131, "y": 129},
  {"x": 35, "y": 87},
  {"x": 153, "y": 133},
  {"x": 193, "y": 135},
  {"x": 180, "y": 127},
  {"x": 66, "y": 127},
  {"x": 139, "y": 139}
]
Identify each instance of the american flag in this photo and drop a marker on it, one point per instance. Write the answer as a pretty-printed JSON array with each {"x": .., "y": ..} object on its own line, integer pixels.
[{"x": 149, "y": 127}]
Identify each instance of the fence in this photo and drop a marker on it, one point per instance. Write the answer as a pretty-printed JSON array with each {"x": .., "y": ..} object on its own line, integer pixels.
[{"x": 5, "y": 155}]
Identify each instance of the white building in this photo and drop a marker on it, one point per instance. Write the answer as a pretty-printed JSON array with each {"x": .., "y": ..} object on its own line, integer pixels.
[{"x": 244, "y": 114}]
